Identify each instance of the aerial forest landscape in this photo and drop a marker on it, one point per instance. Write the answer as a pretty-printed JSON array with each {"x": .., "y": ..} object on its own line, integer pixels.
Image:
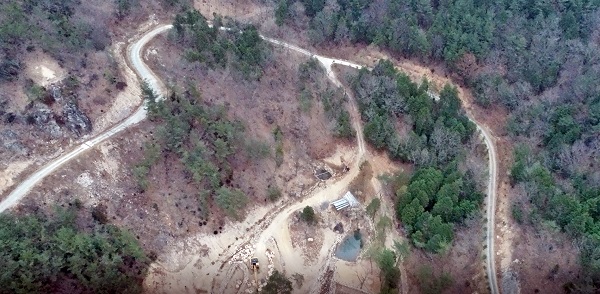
[{"x": 299, "y": 146}]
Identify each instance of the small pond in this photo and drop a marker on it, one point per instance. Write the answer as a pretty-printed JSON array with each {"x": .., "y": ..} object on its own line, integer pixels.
[{"x": 349, "y": 248}]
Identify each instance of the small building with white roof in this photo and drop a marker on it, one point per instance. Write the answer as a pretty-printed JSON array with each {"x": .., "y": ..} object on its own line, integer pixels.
[{"x": 347, "y": 201}]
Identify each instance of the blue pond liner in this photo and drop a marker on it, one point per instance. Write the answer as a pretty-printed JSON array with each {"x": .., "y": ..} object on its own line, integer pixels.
[{"x": 349, "y": 249}]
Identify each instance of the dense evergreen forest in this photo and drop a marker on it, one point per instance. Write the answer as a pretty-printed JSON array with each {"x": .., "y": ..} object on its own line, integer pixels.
[
  {"x": 213, "y": 47},
  {"x": 440, "y": 194},
  {"x": 52, "y": 254},
  {"x": 537, "y": 59}
]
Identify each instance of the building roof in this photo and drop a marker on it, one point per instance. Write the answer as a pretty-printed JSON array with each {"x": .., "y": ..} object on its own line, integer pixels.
[{"x": 346, "y": 201}]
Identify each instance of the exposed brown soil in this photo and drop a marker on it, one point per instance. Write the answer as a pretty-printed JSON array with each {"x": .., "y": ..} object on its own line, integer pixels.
[
  {"x": 262, "y": 107},
  {"x": 361, "y": 186},
  {"x": 104, "y": 175},
  {"x": 463, "y": 261},
  {"x": 167, "y": 212},
  {"x": 341, "y": 289},
  {"x": 544, "y": 259},
  {"x": 248, "y": 11}
]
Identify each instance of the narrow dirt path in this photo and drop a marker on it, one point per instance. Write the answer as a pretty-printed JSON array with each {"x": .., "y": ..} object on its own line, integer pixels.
[
  {"x": 490, "y": 201},
  {"x": 393, "y": 235}
]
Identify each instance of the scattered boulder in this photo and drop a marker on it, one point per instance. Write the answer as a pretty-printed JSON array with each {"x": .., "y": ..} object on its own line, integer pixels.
[
  {"x": 56, "y": 93},
  {"x": 269, "y": 118},
  {"x": 10, "y": 118},
  {"x": 16, "y": 147},
  {"x": 8, "y": 135},
  {"x": 84, "y": 179},
  {"x": 75, "y": 120},
  {"x": 54, "y": 129},
  {"x": 43, "y": 118},
  {"x": 9, "y": 69},
  {"x": 40, "y": 116},
  {"x": 3, "y": 104}
]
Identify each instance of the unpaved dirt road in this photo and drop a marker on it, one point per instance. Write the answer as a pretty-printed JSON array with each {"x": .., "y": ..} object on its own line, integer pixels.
[
  {"x": 135, "y": 57},
  {"x": 490, "y": 201},
  {"x": 491, "y": 207},
  {"x": 484, "y": 132}
]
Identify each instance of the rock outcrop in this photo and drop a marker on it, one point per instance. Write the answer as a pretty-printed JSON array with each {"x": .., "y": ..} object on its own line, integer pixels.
[{"x": 75, "y": 120}]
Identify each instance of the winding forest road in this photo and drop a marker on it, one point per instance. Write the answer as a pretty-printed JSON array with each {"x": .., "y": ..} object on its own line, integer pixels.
[
  {"x": 134, "y": 53},
  {"x": 490, "y": 207},
  {"x": 485, "y": 133}
]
